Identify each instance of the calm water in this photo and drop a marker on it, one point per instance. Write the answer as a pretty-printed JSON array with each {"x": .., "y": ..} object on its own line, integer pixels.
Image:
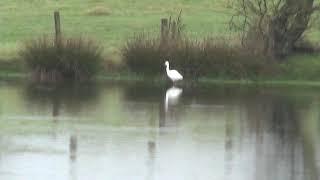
[{"x": 145, "y": 132}]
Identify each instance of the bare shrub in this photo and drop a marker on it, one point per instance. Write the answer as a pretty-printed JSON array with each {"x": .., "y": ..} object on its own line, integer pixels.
[{"x": 272, "y": 27}]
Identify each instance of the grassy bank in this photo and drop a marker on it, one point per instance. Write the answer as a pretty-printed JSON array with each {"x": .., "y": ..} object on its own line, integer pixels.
[{"x": 162, "y": 80}]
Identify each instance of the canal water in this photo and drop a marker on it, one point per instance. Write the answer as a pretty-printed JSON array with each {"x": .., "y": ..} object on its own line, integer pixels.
[{"x": 136, "y": 131}]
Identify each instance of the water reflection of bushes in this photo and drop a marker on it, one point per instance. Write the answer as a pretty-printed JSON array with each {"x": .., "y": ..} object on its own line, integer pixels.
[
  {"x": 144, "y": 92},
  {"x": 74, "y": 97}
]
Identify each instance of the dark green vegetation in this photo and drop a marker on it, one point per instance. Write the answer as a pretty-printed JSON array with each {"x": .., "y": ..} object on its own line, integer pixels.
[
  {"x": 71, "y": 58},
  {"x": 214, "y": 58}
]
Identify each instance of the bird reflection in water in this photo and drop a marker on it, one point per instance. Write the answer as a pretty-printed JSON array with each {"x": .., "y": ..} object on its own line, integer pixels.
[
  {"x": 172, "y": 94},
  {"x": 172, "y": 97}
]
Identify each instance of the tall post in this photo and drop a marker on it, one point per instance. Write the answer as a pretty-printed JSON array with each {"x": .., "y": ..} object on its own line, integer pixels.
[
  {"x": 164, "y": 29},
  {"x": 173, "y": 29},
  {"x": 57, "y": 27}
]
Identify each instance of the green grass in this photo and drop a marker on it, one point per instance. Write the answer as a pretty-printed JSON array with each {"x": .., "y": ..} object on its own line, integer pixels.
[
  {"x": 27, "y": 19},
  {"x": 302, "y": 67}
]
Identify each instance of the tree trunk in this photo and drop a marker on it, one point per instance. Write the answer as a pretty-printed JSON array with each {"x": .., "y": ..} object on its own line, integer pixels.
[{"x": 287, "y": 26}]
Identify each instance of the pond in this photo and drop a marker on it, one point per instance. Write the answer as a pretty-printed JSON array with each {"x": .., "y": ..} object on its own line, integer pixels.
[{"x": 147, "y": 131}]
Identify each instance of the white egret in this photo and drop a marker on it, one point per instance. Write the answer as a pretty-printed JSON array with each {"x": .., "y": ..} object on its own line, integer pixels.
[{"x": 174, "y": 75}]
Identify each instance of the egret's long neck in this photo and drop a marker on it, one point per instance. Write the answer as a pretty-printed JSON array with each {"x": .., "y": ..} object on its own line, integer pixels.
[{"x": 167, "y": 68}]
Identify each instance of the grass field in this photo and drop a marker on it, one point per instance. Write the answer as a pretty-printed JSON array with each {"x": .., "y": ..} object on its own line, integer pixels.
[
  {"x": 109, "y": 21},
  {"x": 112, "y": 22}
]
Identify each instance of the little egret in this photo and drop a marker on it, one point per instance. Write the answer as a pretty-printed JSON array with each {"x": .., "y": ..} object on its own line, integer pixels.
[{"x": 174, "y": 75}]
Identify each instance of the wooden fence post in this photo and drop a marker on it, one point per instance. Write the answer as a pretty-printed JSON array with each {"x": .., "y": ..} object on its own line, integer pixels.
[
  {"x": 57, "y": 27},
  {"x": 173, "y": 29},
  {"x": 164, "y": 29}
]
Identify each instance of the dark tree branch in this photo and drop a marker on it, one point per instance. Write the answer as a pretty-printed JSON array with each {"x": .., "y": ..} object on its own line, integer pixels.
[{"x": 278, "y": 23}]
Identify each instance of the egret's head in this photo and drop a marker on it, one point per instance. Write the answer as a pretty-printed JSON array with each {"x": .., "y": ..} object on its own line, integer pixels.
[{"x": 166, "y": 63}]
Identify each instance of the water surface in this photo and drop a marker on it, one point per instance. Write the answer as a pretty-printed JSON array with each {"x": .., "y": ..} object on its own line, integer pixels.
[{"x": 145, "y": 131}]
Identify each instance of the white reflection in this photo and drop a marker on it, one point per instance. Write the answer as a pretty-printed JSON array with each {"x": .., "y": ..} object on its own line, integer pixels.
[{"x": 172, "y": 97}]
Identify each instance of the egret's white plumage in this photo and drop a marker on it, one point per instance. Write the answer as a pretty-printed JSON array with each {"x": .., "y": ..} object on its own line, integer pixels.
[{"x": 174, "y": 75}]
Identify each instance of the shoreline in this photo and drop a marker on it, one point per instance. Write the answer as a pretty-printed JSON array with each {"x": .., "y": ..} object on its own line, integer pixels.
[{"x": 161, "y": 80}]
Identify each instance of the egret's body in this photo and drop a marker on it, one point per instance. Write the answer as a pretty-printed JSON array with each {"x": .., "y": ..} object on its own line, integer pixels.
[{"x": 174, "y": 75}]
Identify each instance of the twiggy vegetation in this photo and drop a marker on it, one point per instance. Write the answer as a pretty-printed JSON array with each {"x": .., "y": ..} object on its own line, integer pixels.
[{"x": 273, "y": 27}]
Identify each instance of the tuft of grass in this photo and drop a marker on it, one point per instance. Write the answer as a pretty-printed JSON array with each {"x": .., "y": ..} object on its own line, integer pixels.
[
  {"x": 142, "y": 55},
  {"x": 73, "y": 58},
  {"x": 145, "y": 55}
]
